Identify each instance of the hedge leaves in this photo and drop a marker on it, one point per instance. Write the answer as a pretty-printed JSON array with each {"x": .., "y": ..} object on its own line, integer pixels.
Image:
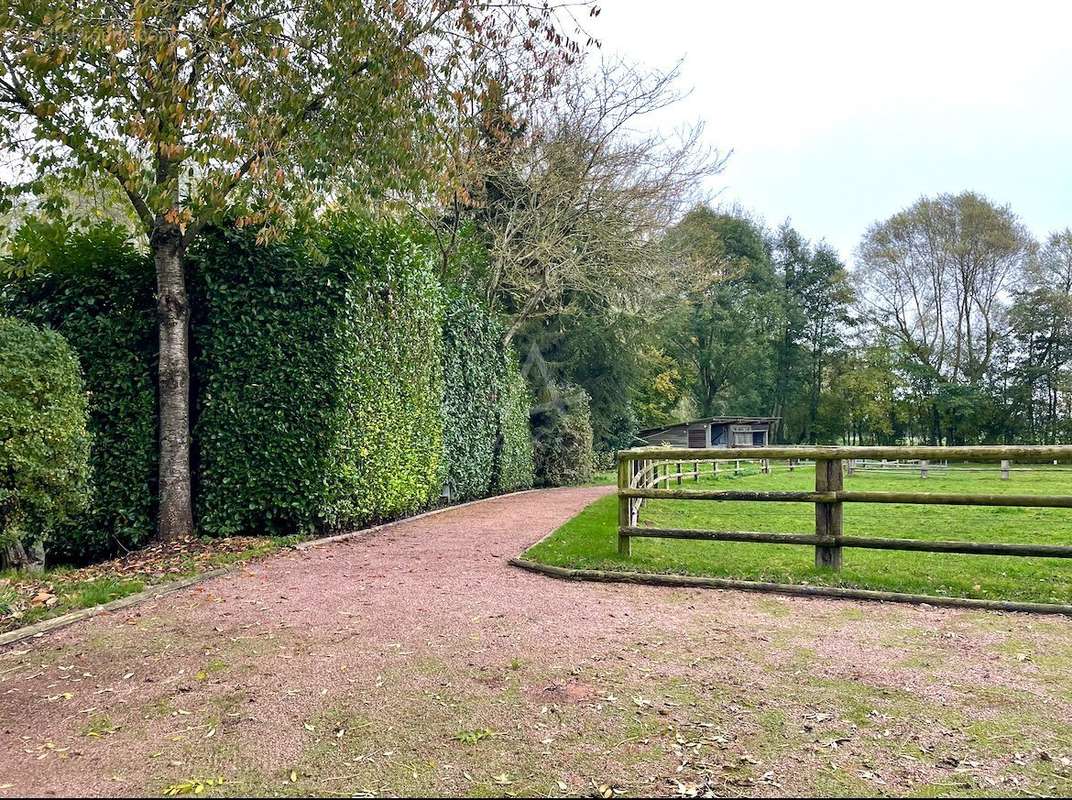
[
  {"x": 319, "y": 379},
  {"x": 97, "y": 291},
  {"x": 487, "y": 442},
  {"x": 44, "y": 445}
]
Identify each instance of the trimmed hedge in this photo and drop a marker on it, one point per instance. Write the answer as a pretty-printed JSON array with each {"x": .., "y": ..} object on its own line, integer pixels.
[
  {"x": 487, "y": 445},
  {"x": 318, "y": 370},
  {"x": 318, "y": 382},
  {"x": 563, "y": 431},
  {"x": 44, "y": 445},
  {"x": 515, "y": 459},
  {"x": 473, "y": 367},
  {"x": 97, "y": 291}
]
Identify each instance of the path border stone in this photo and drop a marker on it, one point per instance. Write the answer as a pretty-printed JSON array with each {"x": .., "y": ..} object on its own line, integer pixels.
[{"x": 795, "y": 590}]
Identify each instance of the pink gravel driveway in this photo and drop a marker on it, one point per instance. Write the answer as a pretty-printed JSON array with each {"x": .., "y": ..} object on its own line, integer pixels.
[{"x": 415, "y": 660}]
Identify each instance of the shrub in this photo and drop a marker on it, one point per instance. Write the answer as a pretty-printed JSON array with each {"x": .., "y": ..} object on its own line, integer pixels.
[
  {"x": 473, "y": 377},
  {"x": 514, "y": 467},
  {"x": 44, "y": 445},
  {"x": 319, "y": 376},
  {"x": 487, "y": 445},
  {"x": 97, "y": 291},
  {"x": 563, "y": 433}
]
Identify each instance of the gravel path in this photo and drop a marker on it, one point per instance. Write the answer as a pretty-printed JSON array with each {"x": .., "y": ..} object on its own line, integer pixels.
[{"x": 414, "y": 660}]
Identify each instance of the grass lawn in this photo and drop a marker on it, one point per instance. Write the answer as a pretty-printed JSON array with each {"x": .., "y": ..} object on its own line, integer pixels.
[{"x": 589, "y": 540}]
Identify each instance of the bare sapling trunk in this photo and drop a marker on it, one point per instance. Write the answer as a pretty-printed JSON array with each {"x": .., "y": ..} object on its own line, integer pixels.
[
  {"x": 18, "y": 555},
  {"x": 175, "y": 512}
]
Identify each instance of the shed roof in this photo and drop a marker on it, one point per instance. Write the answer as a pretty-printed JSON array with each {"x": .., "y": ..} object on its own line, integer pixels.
[{"x": 708, "y": 420}]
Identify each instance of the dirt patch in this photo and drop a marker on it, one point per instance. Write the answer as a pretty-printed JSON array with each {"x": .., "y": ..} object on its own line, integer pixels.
[
  {"x": 569, "y": 692},
  {"x": 416, "y": 661}
]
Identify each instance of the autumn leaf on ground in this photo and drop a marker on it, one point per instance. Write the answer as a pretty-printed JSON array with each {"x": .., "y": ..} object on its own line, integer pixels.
[
  {"x": 474, "y": 736},
  {"x": 192, "y": 786}
]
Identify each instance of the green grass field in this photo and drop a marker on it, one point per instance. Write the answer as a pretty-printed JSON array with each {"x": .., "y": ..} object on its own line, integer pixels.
[{"x": 589, "y": 540}]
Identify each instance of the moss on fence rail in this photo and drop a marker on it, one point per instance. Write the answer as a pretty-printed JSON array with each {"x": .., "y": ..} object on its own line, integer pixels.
[{"x": 1023, "y": 453}]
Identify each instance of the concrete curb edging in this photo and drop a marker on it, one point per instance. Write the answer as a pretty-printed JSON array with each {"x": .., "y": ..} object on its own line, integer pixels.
[
  {"x": 696, "y": 582},
  {"x": 43, "y": 627}
]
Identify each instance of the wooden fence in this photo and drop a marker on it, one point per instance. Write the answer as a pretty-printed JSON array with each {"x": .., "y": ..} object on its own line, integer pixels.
[
  {"x": 924, "y": 467},
  {"x": 642, "y": 470}
]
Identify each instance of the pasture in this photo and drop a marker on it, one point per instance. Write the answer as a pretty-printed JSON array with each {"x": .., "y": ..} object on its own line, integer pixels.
[{"x": 588, "y": 541}]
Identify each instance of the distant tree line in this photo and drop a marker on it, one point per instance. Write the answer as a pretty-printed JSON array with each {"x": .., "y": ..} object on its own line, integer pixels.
[{"x": 953, "y": 327}]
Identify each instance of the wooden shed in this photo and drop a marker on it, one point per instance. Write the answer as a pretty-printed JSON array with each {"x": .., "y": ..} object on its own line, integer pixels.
[{"x": 712, "y": 432}]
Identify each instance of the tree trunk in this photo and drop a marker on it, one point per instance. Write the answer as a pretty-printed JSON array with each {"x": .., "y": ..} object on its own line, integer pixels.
[
  {"x": 175, "y": 514},
  {"x": 18, "y": 555}
]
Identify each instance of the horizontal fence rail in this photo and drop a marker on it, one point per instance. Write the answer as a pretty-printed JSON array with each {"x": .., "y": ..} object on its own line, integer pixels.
[{"x": 646, "y": 473}]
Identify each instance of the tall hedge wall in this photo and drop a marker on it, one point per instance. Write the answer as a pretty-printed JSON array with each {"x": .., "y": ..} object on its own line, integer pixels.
[
  {"x": 319, "y": 380},
  {"x": 514, "y": 466},
  {"x": 487, "y": 446},
  {"x": 97, "y": 291}
]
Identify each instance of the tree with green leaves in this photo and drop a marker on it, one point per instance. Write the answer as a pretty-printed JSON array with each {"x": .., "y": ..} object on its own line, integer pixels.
[
  {"x": 1041, "y": 322},
  {"x": 791, "y": 255},
  {"x": 259, "y": 112},
  {"x": 936, "y": 278},
  {"x": 718, "y": 332},
  {"x": 824, "y": 296}
]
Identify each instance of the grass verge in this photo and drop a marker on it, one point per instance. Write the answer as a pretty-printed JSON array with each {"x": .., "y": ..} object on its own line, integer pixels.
[{"x": 28, "y": 597}]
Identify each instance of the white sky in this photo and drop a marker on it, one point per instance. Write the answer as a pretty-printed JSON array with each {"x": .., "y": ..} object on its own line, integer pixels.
[{"x": 841, "y": 113}]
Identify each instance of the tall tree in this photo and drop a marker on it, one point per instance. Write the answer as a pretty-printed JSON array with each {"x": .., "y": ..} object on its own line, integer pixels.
[
  {"x": 202, "y": 110},
  {"x": 791, "y": 255},
  {"x": 718, "y": 329},
  {"x": 1041, "y": 320},
  {"x": 936, "y": 277},
  {"x": 574, "y": 202},
  {"x": 825, "y": 296}
]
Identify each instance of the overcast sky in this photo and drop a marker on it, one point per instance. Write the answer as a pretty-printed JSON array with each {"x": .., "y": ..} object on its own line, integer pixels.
[{"x": 841, "y": 113}]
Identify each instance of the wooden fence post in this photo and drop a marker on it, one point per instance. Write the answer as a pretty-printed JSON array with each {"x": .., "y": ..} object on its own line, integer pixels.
[
  {"x": 695, "y": 471},
  {"x": 850, "y": 466},
  {"x": 678, "y": 471},
  {"x": 1004, "y": 469},
  {"x": 828, "y": 516},
  {"x": 923, "y": 468},
  {"x": 764, "y": 466},
  {"x": 625, "y": 508},
  {"x": 714, "y": 467},
  {"x": 792, "y": 464},
  {"x": 737, "y": 466}
]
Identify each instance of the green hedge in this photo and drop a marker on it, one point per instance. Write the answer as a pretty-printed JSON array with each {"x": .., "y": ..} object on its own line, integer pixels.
[
  {"x": 318, "y": 381},
  {"x": 487, "y": 445},
  {"x": 318, "y": 370},
  {"x": 44, "y": 445},
  {"x": 97, "y": 291},
  {"x": 514, "y": 464},
  {"x": 563, "y": 433}
]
